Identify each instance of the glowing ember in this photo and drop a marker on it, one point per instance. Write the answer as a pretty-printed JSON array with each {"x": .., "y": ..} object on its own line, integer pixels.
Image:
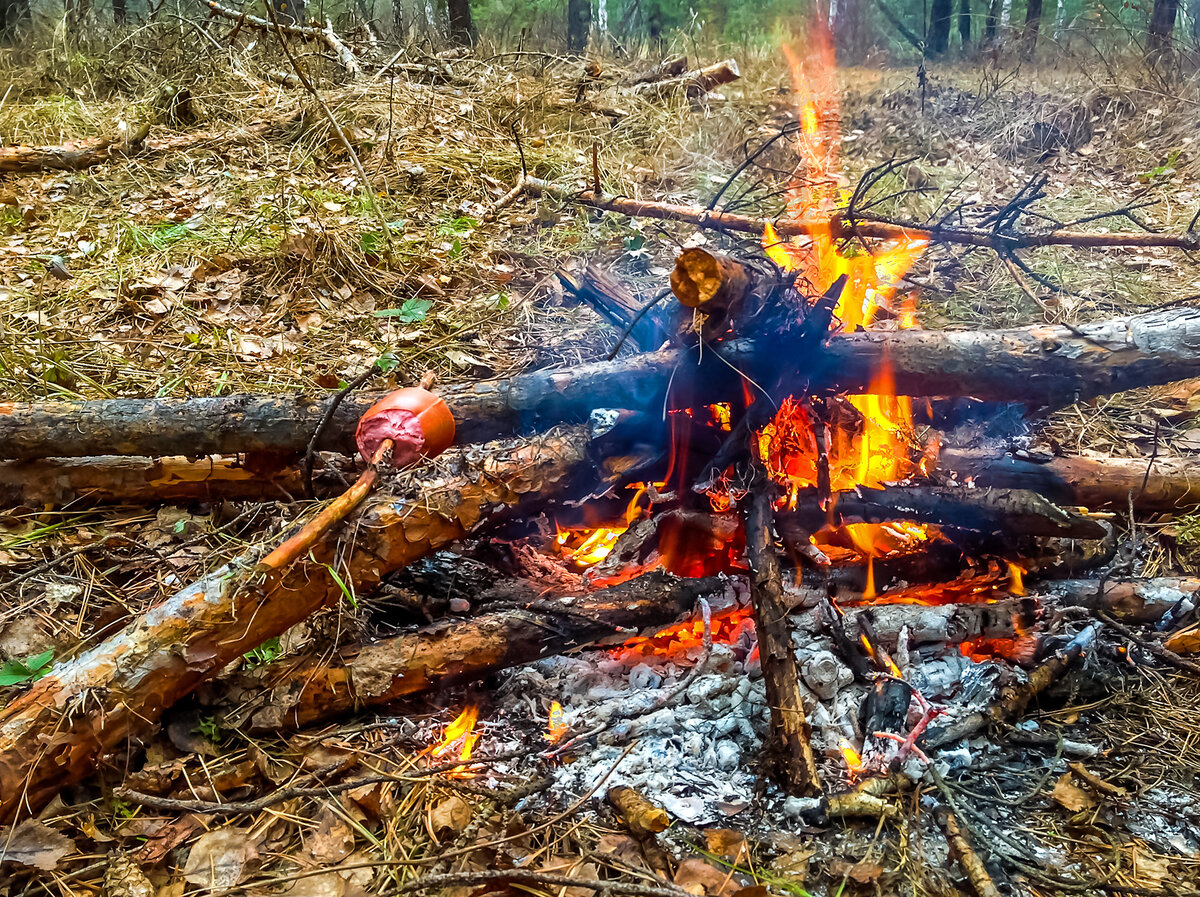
[
  {"x": 674, "y": 642},
  {"x": 556, "y": 729},
  {"x": 459, "y": 734},
  {"x": 852, "y": 757},
  {"x": 588, "y": 546}
]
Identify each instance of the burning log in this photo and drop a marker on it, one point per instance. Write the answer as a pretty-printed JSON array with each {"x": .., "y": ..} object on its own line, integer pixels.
[
  {"x": 454, "y": 651},
  {"x": 692, "y": 84},
  {"x": 52, "y": 734},
  {"x": 949, "y": 624},
  {"x": 1152, "y": 484},
  {"x": 1043, "y": 365},
  {"x": 1012, "y": 511},
  {"x": 840, "y": 226},
  {"x": 712, "y": 283},
  {"x": 789, "y": 748}
]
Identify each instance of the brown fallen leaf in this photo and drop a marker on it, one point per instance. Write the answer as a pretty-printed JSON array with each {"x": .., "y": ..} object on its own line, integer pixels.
[
  {"x": 218, "y": 858},
  {"x": 727, "y": 843},
  {"x": 333, "y": 840},
  {"x": 1071, "y": 796},
  {"x": 34, "y": 844},
  {"x": 449, "y": 817},
  {"x": 705, "y": 880},
  {"x": 861, "y": 871},
  {"x": 572, "y": 867}
]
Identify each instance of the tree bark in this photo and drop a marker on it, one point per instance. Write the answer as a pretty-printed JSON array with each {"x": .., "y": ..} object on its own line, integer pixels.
[
  {"x": 789, "y": 749},
  {"x": 307, "y": 690},
  {"x": 462, "y": 25},
  {"x": 964, "y": 23},
  {"x": 1160, "y": 34},
  {"x": 989, "y": 25},
  {"x": 52, "y": 734},
  {"x": 1042, "y": 365},
  {"x": 1033, "y": 23},
  {"x": 941, "y": 14},
  {"x": 579, "y": 25}
]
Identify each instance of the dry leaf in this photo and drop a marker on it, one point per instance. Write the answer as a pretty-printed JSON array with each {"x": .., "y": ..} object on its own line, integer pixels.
[
  {"x": 34, "y": 844},
  {"x": 727, "y": 843},
  {"x": 623, "y": 848},
  {"x": 1071, "y": 796},
  {"x": 125, "y": 878},
  {"x": 863, "y": 872},
  {"x": 327, "y": 884},
  {"x": 218, "y": 859},
  {"x": 572, "y": 867},
  {"x": 449, "y": 817},
  {"x": 704, "y": 879},
  {"x": 333, "y": 840}
]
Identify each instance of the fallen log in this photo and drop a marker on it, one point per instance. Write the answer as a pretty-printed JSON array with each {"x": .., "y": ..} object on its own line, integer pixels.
[
  {"x": 325, "y": 35},
  {"x": 52, "y": 735},
  {"x": 668, "y": 68},
  {"x": 691, "y": 84},
  {"x": 841, "y": 226},
  {"x": 1041, "y": 365},
  {"x": 81, "y": 154},
  {"x": 307, "y": 690},
  {"x": 1094, "y": 481}
]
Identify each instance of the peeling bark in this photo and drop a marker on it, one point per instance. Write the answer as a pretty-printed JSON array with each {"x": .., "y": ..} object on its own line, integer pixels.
[{"x": 52, "y": 734}]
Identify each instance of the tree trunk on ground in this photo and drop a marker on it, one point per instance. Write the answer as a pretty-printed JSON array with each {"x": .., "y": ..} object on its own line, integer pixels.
[
  {"x": 462, "y": 26},
  {"x": 52, "y": 735},
  {"x": 964, "y": 23},
  {"x": 1159, "y": 37},
  {"x": 579, "y": 25},
  {"x": 941, "y": 15},
  {"x": 1042, "y": 365},
  {"x": 288, "y": 695},
  {"x": 1033, "y": 23}
]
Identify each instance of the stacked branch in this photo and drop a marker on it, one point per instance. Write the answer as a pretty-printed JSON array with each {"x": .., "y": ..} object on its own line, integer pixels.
[
  {"x": 53, "y": 734},
  {"x": 326, "y": 35},
  {"x": 1044, "y": 365}
]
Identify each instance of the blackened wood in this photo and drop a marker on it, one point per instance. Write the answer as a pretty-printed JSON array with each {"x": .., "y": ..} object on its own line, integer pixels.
[
  {"x": 295, "y": 693},
  {"x": 1044, "y": 365},
  {"x": 789, "y": 748},
  {"x": 1159, "y": 484}
]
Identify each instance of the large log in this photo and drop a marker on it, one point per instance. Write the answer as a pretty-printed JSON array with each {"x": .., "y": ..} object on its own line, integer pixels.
[
  {"x": 52, "y": 735},
  {"x": 312, "y": 689},
  {"x": 1094, "y": 481},
  {"x": 1041, "y": 365}
]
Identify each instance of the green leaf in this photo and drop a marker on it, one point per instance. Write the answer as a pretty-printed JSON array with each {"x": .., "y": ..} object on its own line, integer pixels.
[
  {"x": 387, "y": 362},
  {"x": 18, "y": 672},
  {"x": 370, "y": 242},
  {"x": 411, "y": 312}
]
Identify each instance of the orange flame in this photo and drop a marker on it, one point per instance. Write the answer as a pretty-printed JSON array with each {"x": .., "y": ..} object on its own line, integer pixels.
[
  {"x": 462, "y": 733},
  {"x": 556, "y": 729},
  {"x": 588, "y": 546},
  {"x": 852, "y": 757},
  {"x": 1016, "y": 584}
]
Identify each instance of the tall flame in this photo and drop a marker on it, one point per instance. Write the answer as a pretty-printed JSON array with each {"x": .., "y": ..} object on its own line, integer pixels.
[{"x": 461, "y": 733}]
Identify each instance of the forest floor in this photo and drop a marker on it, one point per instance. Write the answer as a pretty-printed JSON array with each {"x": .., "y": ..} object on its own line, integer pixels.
[{"x": 261, "y": 265}]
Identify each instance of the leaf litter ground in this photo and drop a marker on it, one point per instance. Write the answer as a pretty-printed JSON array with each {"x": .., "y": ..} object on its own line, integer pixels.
[{"x": 257, "y": 266}]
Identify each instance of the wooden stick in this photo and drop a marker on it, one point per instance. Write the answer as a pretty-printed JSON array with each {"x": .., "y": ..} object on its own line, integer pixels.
[
  {"x": 841, "y": 227},
  {"x": 692, "y": 84},
  {"x": 306, "y": 690},
  {"x": 789, "y": 748},
  {"x": 52, "y": 735},
  {"x": 324, "y": 35}
]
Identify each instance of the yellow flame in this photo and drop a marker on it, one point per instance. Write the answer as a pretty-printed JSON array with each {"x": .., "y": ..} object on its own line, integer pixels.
[
  {"x": 460, "y": 732},
  {"x": 1016, "y": 581},
  {"x": 852, "y": 757},
  {"x": 555, "y": 727}
]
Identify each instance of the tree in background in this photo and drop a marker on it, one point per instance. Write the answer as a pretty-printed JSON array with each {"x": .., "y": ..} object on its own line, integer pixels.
[
  {"x": 13, "y": 14},
  {"x": 289, "y": 11},
  {"x": 1162, "y": 26},
  {"x": 941, "y": 15},
  {"x": 579, "y": 24},
  {"x": 964, "y": 23},
  {"x": 462, "y": 26},
  {"x": 1033, "y": 23}
]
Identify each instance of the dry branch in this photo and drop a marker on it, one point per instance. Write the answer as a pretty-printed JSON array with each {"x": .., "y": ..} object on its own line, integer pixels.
[
  {"x": 325, "y": 35},
  {"x": 53, "y": 734},
  {"x": 692, "y": 84},
  {"x": 1042, "y": 365},
  {"x": 789, "y": 749},
  {"x": 842, "y": 227},
  {"x": 88, "y": 153},
  {"x": 312, "y": 689}
]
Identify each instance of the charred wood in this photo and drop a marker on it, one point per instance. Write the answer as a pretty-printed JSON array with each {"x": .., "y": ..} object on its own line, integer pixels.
[
  {"x": 1042, "y": 365},
  {"x": 53, "y": 734},
  {"x": 311, "y": 689}
]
